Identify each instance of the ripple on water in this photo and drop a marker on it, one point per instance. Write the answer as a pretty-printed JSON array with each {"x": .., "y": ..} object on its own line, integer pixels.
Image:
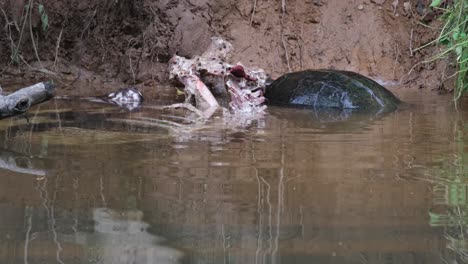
[{"x": 293, "y": 187}]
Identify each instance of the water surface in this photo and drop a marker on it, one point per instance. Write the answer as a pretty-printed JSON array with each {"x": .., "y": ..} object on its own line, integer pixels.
[{"x": 90, "y": 183}]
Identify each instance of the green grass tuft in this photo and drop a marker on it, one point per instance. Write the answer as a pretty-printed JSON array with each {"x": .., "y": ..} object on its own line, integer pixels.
[{"x": 454, "y": 37}]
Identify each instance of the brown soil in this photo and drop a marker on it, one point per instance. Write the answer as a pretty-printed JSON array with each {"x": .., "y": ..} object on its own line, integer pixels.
[{"x": 131, "y": 41}]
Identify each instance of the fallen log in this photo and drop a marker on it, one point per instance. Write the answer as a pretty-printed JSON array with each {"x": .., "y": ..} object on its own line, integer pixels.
[{"x": 20, "y": 101}]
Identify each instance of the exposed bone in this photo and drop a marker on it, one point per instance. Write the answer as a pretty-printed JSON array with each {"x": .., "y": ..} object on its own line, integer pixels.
[
  {"x": 184, "y": 70},
  {"x": 244, "y": 100},
  {"x": 243, "y": 86}
]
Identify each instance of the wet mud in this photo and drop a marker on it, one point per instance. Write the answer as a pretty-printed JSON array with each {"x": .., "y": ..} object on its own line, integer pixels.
[{"x": 130, "y": 42}]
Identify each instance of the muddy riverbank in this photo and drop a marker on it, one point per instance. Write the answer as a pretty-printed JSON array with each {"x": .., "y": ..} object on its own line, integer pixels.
[{"x": 116, "y": 43}]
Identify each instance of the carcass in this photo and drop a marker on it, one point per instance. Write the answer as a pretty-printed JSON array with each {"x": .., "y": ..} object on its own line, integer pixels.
[{"x": 211, "y": 83}]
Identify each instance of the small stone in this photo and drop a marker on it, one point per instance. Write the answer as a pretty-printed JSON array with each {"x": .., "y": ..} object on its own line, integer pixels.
[
  {"x": 318, "y": 2},
  {"x": 313, "y": 20},
  {"x": 360, "y": 7},
  {"x": 378, "y": 2},
  {"x": 407, "y": 8}
]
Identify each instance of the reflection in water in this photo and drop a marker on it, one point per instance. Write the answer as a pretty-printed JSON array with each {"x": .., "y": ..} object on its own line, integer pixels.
[
  {"x": 117, "y": 237},
  {"x": 21, "y": 163},
  {"x": 289, "y": 188},
  {"x": 122, "y": 238},
  {"x": 54, "y": 234},
  {"x": 322, "y": 117},
  {"x": 450, "y": 198}
]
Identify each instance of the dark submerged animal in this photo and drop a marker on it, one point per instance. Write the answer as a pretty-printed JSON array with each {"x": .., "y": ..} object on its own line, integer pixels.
[{"x": 330, "y": 89}]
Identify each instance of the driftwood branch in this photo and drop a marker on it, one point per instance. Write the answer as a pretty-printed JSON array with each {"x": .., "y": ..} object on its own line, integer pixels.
[{"x": 20, "y": 101}]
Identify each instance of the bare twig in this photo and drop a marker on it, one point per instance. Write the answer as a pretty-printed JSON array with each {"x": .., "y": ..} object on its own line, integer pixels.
[
  {"x": 22, "y": 30},
  {"x": 14, "y": 48},
  {"x": 253, "y": 11},
  {"x": 140, "y": 57},
  {"x": 436, "y": 57},
  {"x": 31, "y": 2},
  {"x": 7, "y": 25},
  {"x": 57, "y": 46},
  {"x": 411, "y": 43},
  {"x": 285, "y": 51},
  {"x": 7, "y": 21},
  {"x": 89, "y": 23},
  {"x": 301, "y": 47},
  {"x": 129, "y": 47},
  {"x": 80, "y": 49},
  {"x": 283, "y": 41},
  {"x": 397, "y": 54}
]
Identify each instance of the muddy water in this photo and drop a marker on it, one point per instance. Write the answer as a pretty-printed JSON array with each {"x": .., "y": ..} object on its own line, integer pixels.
[{"x": 104, "y": 186}]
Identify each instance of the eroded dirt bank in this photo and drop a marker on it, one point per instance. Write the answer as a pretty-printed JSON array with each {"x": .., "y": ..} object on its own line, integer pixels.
[{"x": 131, "y": 41}]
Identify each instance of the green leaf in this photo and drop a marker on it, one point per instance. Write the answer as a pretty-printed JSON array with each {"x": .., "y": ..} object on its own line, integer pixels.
[
  {"x": 436, "y": 3},
  {"x": 45, "y": 22},
  {"x": 44, "y": 17},
  {"x": 445, "y": 42},
  {"x": 463, "y": 36}
]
